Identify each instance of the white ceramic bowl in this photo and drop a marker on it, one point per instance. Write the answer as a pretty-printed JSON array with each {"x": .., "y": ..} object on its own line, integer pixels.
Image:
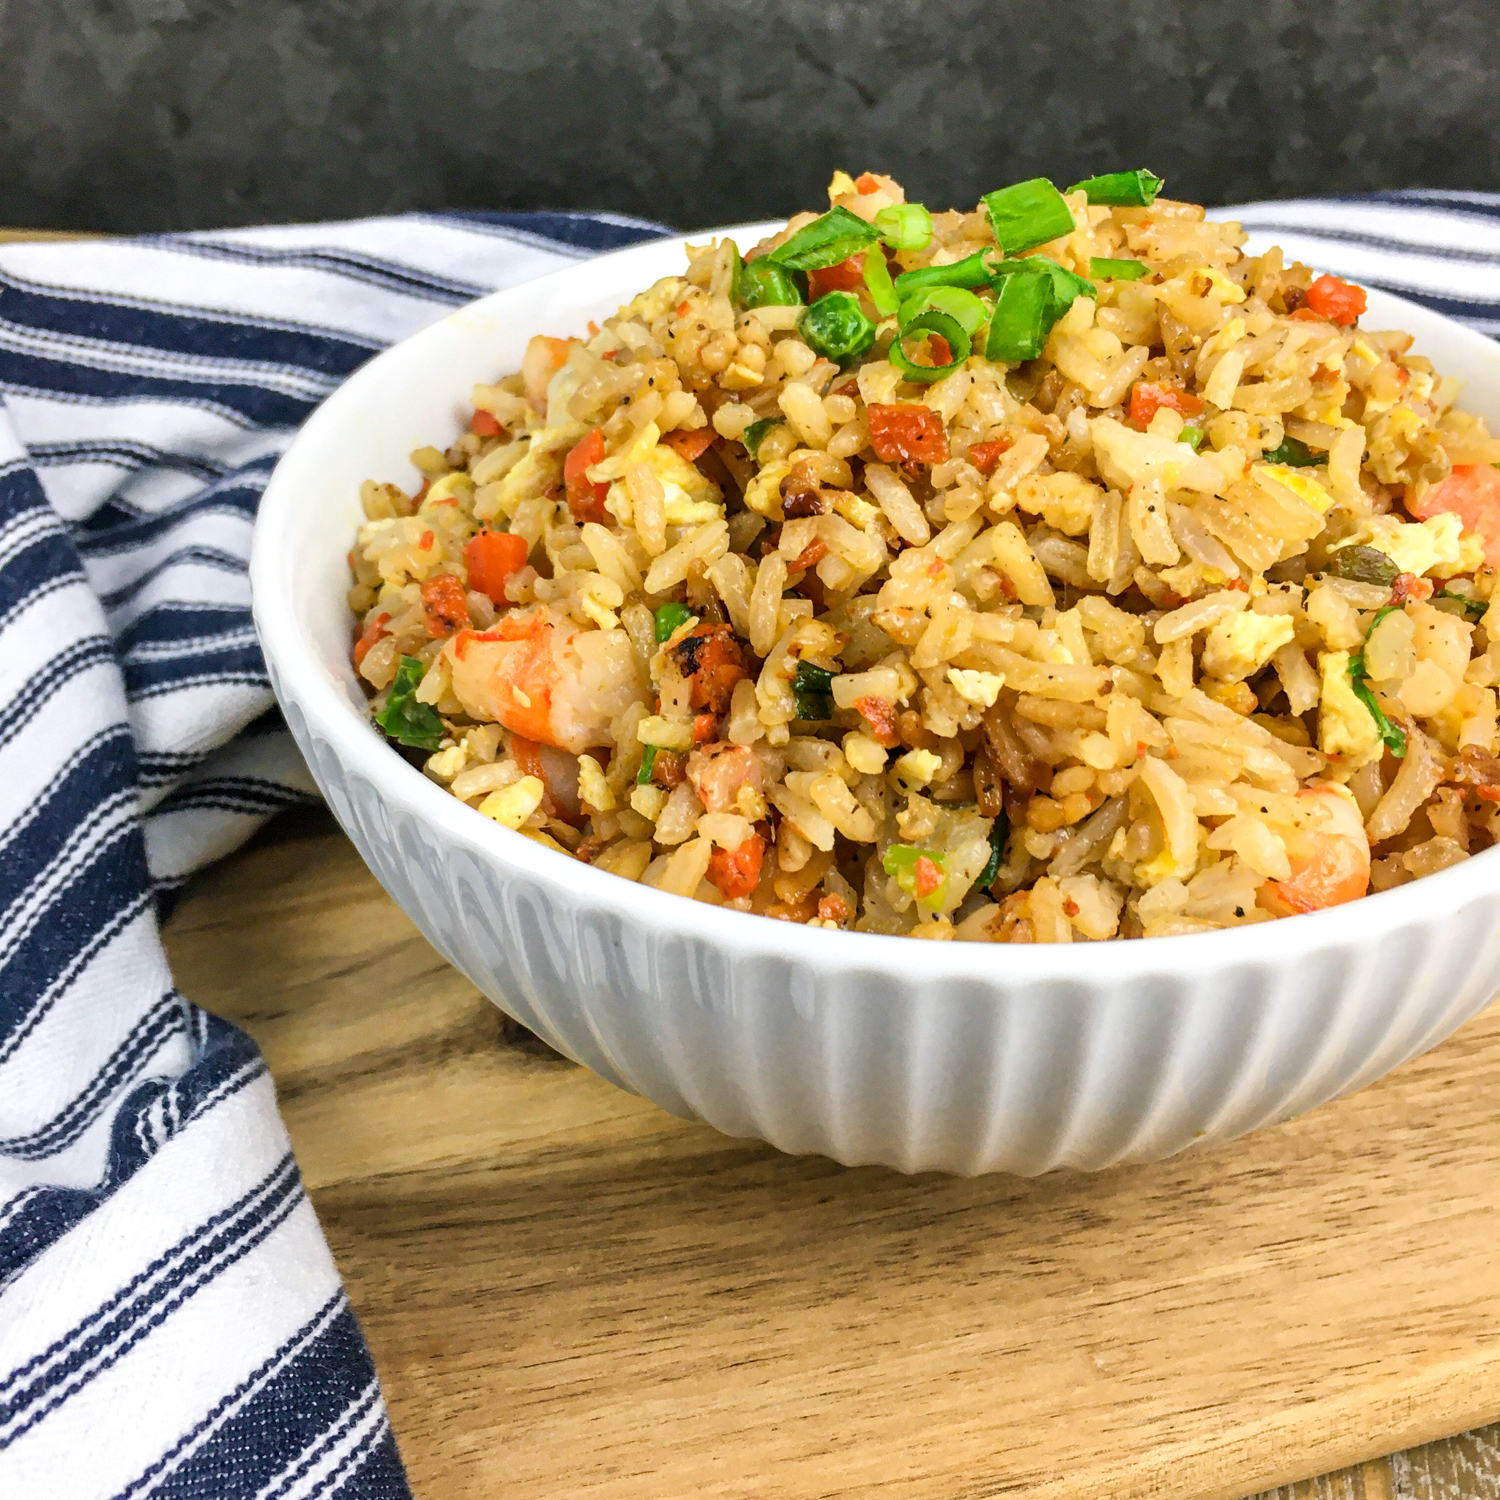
[{"x": 957, "y": 1056}]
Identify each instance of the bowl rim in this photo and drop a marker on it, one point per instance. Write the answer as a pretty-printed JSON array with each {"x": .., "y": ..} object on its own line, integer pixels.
[{"x": 300, "y": 675}]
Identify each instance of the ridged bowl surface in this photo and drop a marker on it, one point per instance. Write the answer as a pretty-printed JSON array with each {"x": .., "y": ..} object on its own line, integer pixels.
[{"x": 952, "y": 1056}]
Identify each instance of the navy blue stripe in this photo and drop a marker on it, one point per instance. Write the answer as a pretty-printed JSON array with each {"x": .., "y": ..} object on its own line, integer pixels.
[
  {"x": 54, "y": 675},
  {"x": 32, "y": 374},
  {"x": 177, "y": 331},
  {"x": 235, "y": 665},
  {"x": 578, "y": 230},
  {"x": 111, "y": 529},
  {"x": 181, "y": 620},
  {"x": 181, "y": 557},
  {"x": 123, "y": 453},
  {"x": 1375, "y": 241}
]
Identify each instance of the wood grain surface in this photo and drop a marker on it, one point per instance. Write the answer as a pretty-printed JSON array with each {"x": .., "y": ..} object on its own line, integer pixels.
[{"x": 571, "y": 1293}]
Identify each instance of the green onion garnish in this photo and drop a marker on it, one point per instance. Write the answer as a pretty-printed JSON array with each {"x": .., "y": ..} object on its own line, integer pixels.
[
  {"x": 1121, "y": 189},
  {"x": 755, "y": 434},
  {"x": 901, "y": 861},
  {"x": 927, "y": 323},
  {"x": 670, "y": 618},
  {"x": 648, "y": 764},
  {"x": 765, "y": 284},
  {"x": 836, "y": 327},
  {"x": 1293, "y": 454},
  {"x": 999, "y": 832},
  {"x": 1192, "y": 436},
  {"x": 1117, "y": 270},
  {"x": 1066, "y": 284},
  {"x": 1363, "y": 565},
  {"x": 832, "y": 238},
  {"x": 963, "y": 307},
  {"x": 905, "y": 226},
  {"x": 879, "y": 285},
  {"x": 972, "y": 270},
  {"x": 1393, "y": 736},
  {"x": 1022, "y": 320},
  {"x": 812, "y": 692},
  {"x": 407, "y": 721},
  {"x": 1028, "y": 214},
  {"x": 1475, "y": 609}
]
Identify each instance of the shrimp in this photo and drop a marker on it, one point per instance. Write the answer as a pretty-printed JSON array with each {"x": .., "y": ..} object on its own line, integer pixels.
[
  {"x": 719, "y": 771},
  {"x": 1330, "y": 858},
  {"x": 546, "y": 682},
  {"x": 1472, "y": 493},
  {"x": 543, "y": 359}
]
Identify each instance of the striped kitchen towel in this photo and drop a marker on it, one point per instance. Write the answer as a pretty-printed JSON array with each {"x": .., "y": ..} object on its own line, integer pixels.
[{"x": 171, "y": 1322}]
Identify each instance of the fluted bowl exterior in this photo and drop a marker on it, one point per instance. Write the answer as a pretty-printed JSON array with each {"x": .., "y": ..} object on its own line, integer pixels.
[{"x": 951, "y": 1056}]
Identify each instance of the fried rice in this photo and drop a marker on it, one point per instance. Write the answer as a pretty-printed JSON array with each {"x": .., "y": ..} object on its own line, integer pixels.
[{"x": 1053, "y": 571}]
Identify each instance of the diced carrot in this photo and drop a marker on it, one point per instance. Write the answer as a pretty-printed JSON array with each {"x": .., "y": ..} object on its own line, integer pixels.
[
  {"x": 984, "y": 456},
  {"x": 713, "y": 660},
  {"x": 1472, "y": 493},
  {"x": 704, "y": 727},
  {"x": 866, "y": 182},
  {"x": 1146, "y": 399},
  {"x": 907, "y": 433},
  {"x": 691, "y": 445},
  {"x": 1410, "y": 586},
  {"x": 491, "y": 558},
  {"x": 585, "y": 499},
  {"x": 1336, "y": 299},
  {"x": 833, "y": 909},
  {"x": 484, "y": 423},
  {"x": 374, "y": 630},
  {"x": 846, "y": 276},
  {"x": 940, "y": 350},
  {"x": 736, "y": 872},
  {"x": 444, "y": 605},
  {"x": 880, "y": 715},
  {"x": 1306, "y": 315},
  {"x": 928, "y": 877}
]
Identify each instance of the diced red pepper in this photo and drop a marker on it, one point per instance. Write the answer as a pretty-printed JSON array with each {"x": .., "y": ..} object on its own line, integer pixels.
[
  {"x": 444, "y": 605},
  {"x": 704, "y": 728},
  {"x": 939, "y": 350},
  {"x": 1147, "y": 399},
  {"x": 1336, "y": 300},
  {"x": 846, "y": 276},
  {"x": 691, "y": 445},
  {"x": 585, "y": 499},
  {"x": 1472, "y": 493},
  {"x": 491, "y": 558},
  {"x": 984, "y": 456},
  {"x": 866, "y": 182},
  {"x": 907, "y": 433},
  {"x": 736, "y": 872},
  {"x": 374, "y": 631},
  {"x": 484, "y": 423}
]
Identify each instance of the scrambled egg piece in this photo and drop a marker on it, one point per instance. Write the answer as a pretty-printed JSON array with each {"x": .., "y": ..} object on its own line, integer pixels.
[
  {"x": 1345, "y": 726},
  {"x": 1242, "y": 644},
  {"x": 1063, "y": 500},
  {"x": 1301, "y": 484},
  {"x": 1415, "y": 547}
]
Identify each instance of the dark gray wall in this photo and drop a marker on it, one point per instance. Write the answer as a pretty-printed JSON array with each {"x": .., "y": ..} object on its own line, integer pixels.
[{"x": 150, "y": 114}]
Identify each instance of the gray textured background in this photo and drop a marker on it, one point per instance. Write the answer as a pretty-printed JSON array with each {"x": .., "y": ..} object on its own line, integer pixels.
[{"x": 154, "y": 114}]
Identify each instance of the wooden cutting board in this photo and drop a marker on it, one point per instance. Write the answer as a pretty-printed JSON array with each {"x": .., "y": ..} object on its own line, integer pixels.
[{"x": 570, "y": 1293}]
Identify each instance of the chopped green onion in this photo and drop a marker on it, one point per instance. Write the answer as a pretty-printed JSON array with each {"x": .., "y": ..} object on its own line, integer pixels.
[
  {"x": 1393, "y": 736},
  {"x": 407, "y": 721},
  {"x": 1363, "y": 565},
  {"x": 836, "y": 327},
  {"x": 901, "y": 862},
  {"x": 879, "y": 285},
  {"x": 1117, "y": 270},
  {"x": 1293, "y": 454},
  {"x": 1475, "y": 609},
  {"x": 1022, "y": 320},
  {"x": 755, "y": 434},
  {"x": 946, "y": 328},
  {"x": 670, "y": 618},
  {"x": 829, "y": 239},
  {"x": 1028, "y": 214},
  {"x": 765, "y": 284},
  {"x": 1066, "y": 284},
  {"x": 973, "y": 270},
  {"x": 1121, "y": 189},
  {"x": 963, "y": 307},
  {"x": 812, "y": 692},
  {"x": 648, "y": 764},
  {"x": 999, "y": 832},
  {"x": 1192, "y": 436},
  {"x": 905, "y": 226}
]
